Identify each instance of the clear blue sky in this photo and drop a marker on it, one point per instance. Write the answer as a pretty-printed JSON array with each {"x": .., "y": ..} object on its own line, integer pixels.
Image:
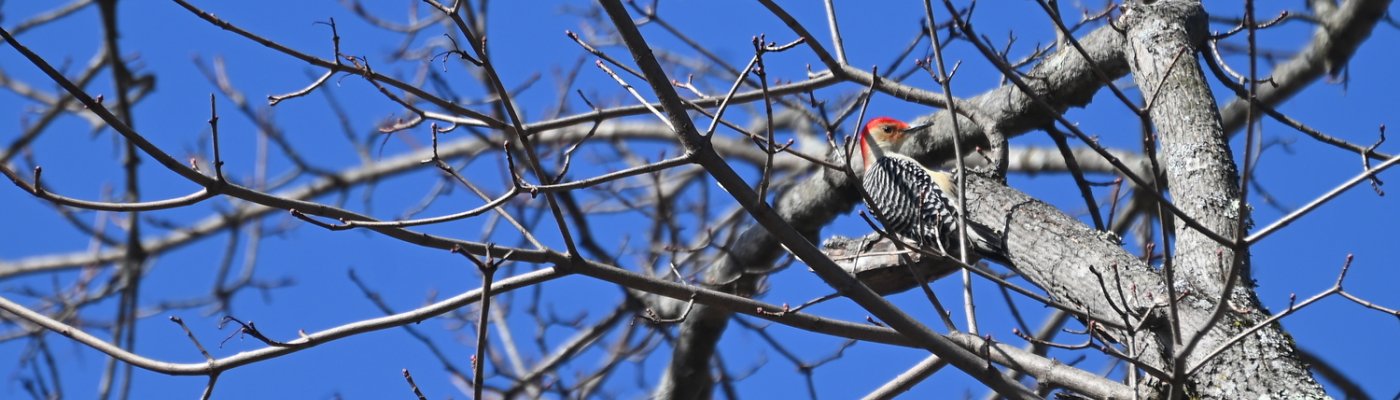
[{"x": 527, "y": 38}]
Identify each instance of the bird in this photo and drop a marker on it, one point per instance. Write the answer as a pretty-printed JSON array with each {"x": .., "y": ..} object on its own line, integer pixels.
[{"x": 917, "y": 203}]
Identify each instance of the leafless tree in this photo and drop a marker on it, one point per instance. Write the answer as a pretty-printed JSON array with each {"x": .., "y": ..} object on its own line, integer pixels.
[{"x": 1154, "y": 276}]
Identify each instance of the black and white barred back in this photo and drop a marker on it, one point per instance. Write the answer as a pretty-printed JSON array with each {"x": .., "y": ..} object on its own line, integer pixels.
[{"x": 912, "y": 205}]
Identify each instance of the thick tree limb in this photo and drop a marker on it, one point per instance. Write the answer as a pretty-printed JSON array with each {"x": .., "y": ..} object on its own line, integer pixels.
[
  {"x": 1202, "y": 177},
  {"x": 814, "y": 203},
  {"x": 1066, "y": 79},
  {"x": 1339, "y": 34},
  {"x": 787, "y": 235}
]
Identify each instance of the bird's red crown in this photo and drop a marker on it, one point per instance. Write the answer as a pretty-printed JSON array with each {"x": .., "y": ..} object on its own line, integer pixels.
[
  {"x": 879, "y": 125},
  {"x": 884, "y": 130}
]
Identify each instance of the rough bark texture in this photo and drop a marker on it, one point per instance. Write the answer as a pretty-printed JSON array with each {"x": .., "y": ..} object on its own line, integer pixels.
[
  {"x": 1077, "y": 265},
  {"x": 1201, "y": 174},
  {"x": 884, "y": 266},
  {"x": 1065, "y": 78}
]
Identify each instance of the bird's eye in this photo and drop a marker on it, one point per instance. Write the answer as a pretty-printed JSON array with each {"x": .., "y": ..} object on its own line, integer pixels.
[{"x": 887, "y": 128}]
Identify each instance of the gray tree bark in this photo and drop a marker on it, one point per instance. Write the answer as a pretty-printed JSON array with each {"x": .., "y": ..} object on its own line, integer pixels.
[
  {"x": 1203, "y": 181},
  {"x": 1059, "y": 253},
  {"x": 816, "y": 202}
]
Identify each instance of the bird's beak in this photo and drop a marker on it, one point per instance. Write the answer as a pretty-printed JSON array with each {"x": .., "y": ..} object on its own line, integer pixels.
[{"x": 918, "y": 127}]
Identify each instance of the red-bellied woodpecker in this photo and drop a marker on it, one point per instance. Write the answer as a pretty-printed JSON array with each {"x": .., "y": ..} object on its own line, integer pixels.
[{"x": 914, "y": 202}]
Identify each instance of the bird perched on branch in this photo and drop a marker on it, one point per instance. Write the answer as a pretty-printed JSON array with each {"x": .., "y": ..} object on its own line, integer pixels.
[{"x": 917, "y": 203}]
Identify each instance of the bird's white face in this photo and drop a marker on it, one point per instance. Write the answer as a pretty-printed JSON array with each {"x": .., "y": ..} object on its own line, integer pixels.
[
  {"x": 887, "y": 132},
  {"x": 881, "y": 134}
]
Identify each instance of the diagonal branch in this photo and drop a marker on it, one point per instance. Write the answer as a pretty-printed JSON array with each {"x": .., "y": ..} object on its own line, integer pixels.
[{"x": 786, "y": 234}]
